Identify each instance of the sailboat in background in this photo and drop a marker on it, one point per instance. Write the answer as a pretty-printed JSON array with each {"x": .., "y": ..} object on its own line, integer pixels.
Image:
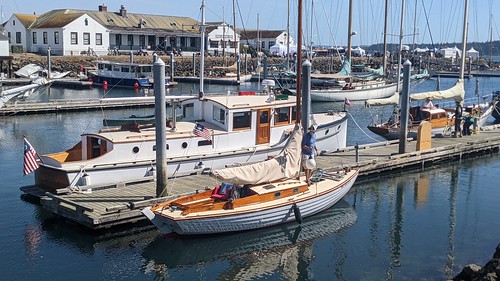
[
  {"x": 441, "y": 118},
  {"x": 351, "y": 87},
  {"x": 257, "y": 195}
]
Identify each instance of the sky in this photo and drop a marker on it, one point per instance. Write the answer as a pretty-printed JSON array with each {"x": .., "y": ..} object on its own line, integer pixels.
[{"x": 432, "y": 21}]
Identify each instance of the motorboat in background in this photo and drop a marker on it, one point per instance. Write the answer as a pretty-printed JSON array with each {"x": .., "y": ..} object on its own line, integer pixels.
[
  {"x": 123, "y": 74},
  {"x": 254, "y": 196}
]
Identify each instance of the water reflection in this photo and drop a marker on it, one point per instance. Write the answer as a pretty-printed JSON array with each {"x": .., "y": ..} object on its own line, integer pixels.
[{"x": 286, "y": 249}]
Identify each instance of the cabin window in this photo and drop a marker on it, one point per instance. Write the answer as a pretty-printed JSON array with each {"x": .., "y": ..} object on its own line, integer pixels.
[
  {"x": 135, "y": 149},
  {"x": 98, "y": 38},
  {"x": 125, "y": 69},
  {"x": 277, "y": 194},
  {"x": 184, "y": 145},
  {"x": 116, "y": 68},
  {"x": 56, "y": 37},
  {"x": 108, "y": 67},
  {"x": 204, "y": 143},
  {"x": 282, "y": 116},
  {"x": 188, "y": 110},
  {"x": 294, "y": 113},
  {"x": 86, "y": 38},
  {"x": 74, "y": 38},
  {"x": 146, "y": 69},
  {"x": 45, "y": 38},
  {"x": 34, "y": 38},
  {"x": 442, "y": 115},
  {"x": 219, "y": 115},
  {"x": 242, "y": 120}
]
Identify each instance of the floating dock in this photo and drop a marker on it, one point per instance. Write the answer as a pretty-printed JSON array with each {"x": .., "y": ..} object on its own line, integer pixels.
[
  {"x": 61, "y": 105},
  {"x": 105, "y": 206}
]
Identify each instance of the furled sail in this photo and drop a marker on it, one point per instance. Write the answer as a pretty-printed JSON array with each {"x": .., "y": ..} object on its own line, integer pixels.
[
  {"x": 456, "y": 92},
  {"x": 285, "y": 165},
  {"x": 392, "y": 100}
]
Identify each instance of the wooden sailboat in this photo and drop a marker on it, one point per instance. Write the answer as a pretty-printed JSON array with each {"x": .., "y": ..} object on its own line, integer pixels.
[{"x": 257, "y": 195}]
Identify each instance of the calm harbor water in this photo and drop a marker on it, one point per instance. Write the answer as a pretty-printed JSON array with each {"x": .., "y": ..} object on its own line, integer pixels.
[{"x": 413, "y": 226}]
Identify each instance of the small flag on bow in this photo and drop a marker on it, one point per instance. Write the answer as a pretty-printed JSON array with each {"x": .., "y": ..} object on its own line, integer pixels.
[
  {"x": 30, "y": 161},
  {"x": 202, "y": 131}
]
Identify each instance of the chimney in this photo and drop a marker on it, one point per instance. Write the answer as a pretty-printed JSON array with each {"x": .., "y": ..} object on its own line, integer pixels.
[
  {"x": 103, "y": 8},
  {"x": 123, "y": 11}
]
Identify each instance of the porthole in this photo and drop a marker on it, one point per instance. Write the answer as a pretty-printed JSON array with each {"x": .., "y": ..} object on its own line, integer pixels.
[
  {"x": 277, "y": 194},
  {"x": 135, "y": 149},
  {"x": 184, "y": 145}
]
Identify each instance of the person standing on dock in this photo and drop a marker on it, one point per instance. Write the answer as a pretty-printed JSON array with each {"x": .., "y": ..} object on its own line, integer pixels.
[
  {"x": 309, "y": 150},
  {"x": 458, "y": 119}
]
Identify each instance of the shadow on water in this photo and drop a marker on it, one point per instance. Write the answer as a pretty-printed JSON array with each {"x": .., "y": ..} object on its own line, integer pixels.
[{"x": 256, "y": 252}]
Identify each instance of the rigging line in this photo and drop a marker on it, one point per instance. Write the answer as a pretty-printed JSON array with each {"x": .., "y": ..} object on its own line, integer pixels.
[
  {"x": 427, "y": 24},
  {"x": 357, "y": 125}
]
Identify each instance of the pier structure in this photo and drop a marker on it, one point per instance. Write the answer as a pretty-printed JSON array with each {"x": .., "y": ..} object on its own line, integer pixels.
[{"x": 98, "y": 207}]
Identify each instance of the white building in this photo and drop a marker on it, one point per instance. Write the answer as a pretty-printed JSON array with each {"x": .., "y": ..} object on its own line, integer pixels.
[
  {"x": 4, "y": 45},
  {"x": 75, "y": 32},
  {"x": 221, "y": 39},
  {"x": 262, "y": 40},
  {"x": 16, "y": 29}
]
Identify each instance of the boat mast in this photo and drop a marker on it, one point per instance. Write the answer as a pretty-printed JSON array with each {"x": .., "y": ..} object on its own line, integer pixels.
[
  {"x": 464, "y": 39},
  {"x": 385, "y": 37},
  {"x": 349, "y": 35},
  {"x": 298, "y": 63},
  {"x": 401, "y": 30},
  {"x": 288, "y": 39},
  {"x": 202, "y": 49},
  {"x": 236, "y": 55}
]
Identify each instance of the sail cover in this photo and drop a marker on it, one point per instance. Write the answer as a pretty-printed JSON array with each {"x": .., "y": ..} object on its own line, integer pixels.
[
  {"x": 392, "y": 100},
  {"x": 285, "y": 165},
  {"x": 456, "y": 92}
]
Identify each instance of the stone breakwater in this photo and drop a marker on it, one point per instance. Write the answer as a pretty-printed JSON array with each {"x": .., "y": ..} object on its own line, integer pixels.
[
  {"x": 490, "y": 272},
  {"x": 183, "y": 64}
]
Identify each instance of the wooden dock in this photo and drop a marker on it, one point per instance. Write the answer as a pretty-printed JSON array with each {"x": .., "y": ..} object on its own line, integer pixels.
[
  {"x": 106, "y": 206},
  {"x": 62, "y": 105}
]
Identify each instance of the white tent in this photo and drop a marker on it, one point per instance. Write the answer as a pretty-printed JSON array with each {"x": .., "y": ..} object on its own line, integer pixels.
[
  {"x": 280, "y": 49},
  {"x": 358, "y": 52},
  {"x": 471, "y": 53},
  {"x": 421, "y": 50}
]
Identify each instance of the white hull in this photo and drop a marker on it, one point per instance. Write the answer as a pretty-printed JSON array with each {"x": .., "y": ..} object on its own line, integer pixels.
[
  {"x": 261, "y": 215},
  {"x": 365, "y": 93}
]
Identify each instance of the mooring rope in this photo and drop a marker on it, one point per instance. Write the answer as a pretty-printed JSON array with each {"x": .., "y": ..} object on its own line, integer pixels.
[{"x": 357, "y": 125}]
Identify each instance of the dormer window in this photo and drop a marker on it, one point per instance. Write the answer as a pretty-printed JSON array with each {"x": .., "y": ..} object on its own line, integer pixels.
[
  {"x": 13, "y": 22},
  {"x": 86, "y": 22}
]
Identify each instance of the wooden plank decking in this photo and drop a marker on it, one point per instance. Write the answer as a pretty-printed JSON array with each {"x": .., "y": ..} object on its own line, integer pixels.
[{"x": 121, "y": 203}]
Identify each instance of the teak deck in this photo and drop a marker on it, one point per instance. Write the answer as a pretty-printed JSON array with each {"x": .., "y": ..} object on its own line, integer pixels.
[{"x": 121, "y": 203}]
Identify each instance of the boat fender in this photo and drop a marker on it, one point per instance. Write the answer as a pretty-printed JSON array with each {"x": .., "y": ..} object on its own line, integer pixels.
[
  {"x": 296, "y": 211},
  {"x": 85, "y": 180},
  {"x": 136, "y": 85},
  {"x": 310, "y": 163}
]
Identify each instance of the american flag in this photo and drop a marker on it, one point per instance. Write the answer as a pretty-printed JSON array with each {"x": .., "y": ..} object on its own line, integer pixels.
[
  {"x": 30, "y": 162},
  {"x": 202, "y": 131}
]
